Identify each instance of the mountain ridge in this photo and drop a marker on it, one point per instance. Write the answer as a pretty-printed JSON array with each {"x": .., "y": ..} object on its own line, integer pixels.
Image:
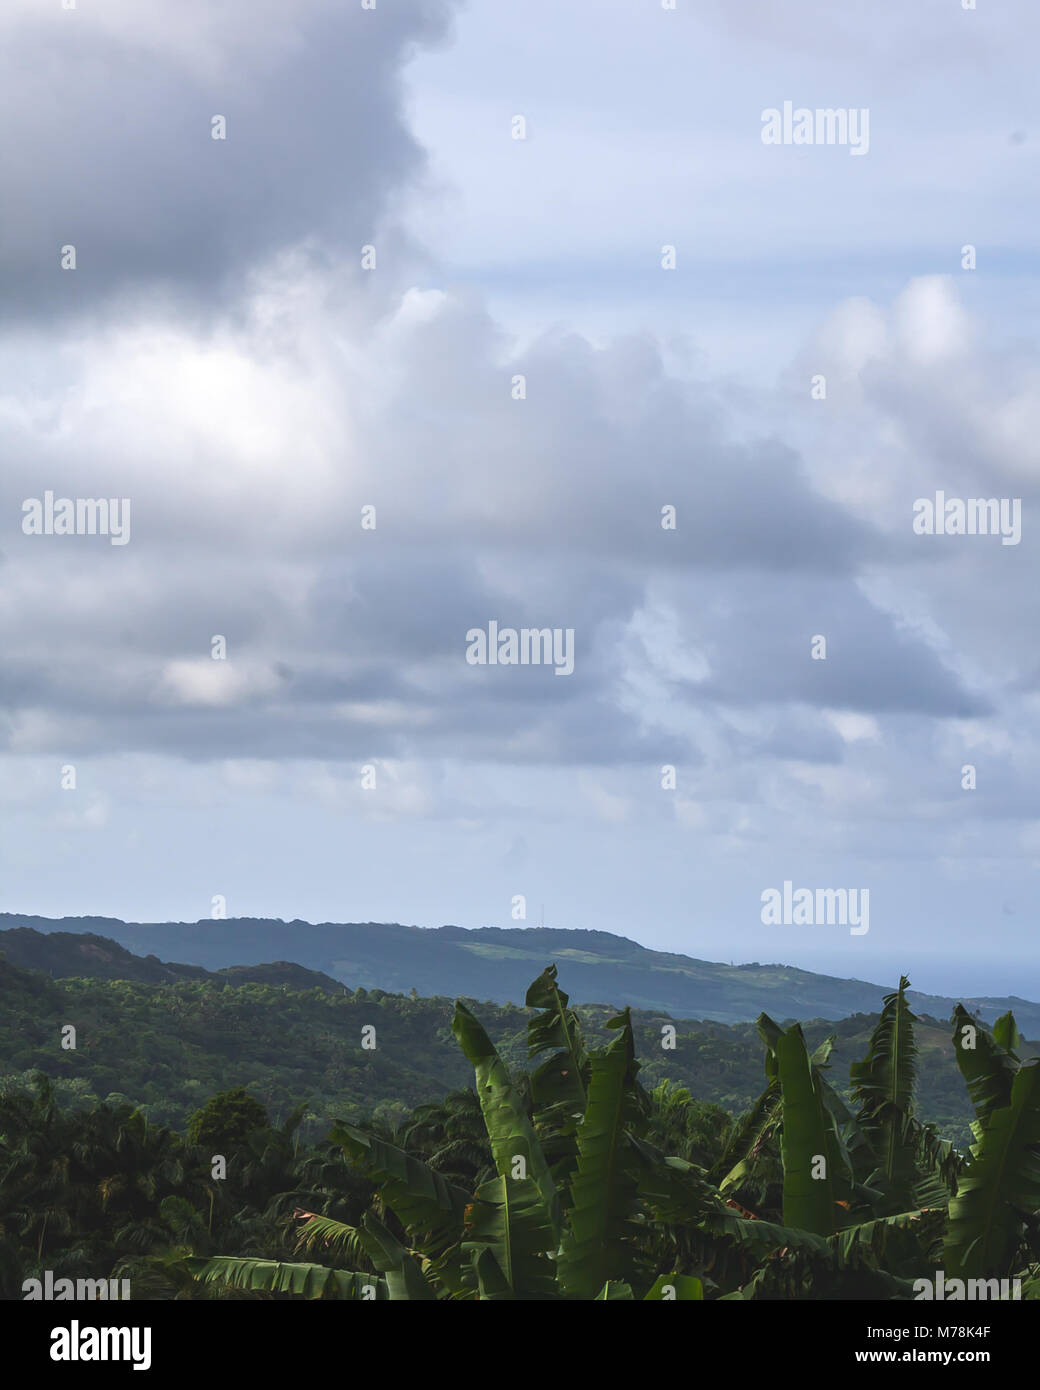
[
  {"x": 162, "y": 1037},
  {"x": 498, "y": 963},
  {"x": 68, "y": 955}
]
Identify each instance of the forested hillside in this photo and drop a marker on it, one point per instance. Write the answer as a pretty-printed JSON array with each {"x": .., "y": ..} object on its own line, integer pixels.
[
  {"x": 497, "y": 964},
  {"x": 166, "y": 1047}
]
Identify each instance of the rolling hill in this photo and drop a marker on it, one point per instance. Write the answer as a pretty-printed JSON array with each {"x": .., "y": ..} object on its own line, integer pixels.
[
  {"x": 165, "y": 1037},
  {"x": 497, "y": 964}
]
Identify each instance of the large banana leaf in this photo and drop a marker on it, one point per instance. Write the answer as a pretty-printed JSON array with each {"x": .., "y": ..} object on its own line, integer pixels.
[
  {"x": 942, "y": 1164},
  {"x": 596, "y": 1246},
  {"x": 613, "y": 1292},
  {"x": 683, "y": 1289},
  {"x": 906, "y": 1244},
  {"x": 809, "y": 1132},
  {"x": 999, "y": 1187},
  {"x": 507, "y": 1217},
  {"x": 560, "y": 1079},
  {"x": 989, "y": 1066},
  {"x": 405, "y": 1281},
  {"x": 739, "y": 1174},
  {"x": 273, "y": 1276},
  {"x": 1006, "y": 1034},
  {"x": 509, "y": 1130},
  {"x": 848, "y": 1145},
  {"x": 883, "y": 1085},
  {"x": 800, "y": 1264},
  {"x": 886, "y": 1076},
  {"x": 422, "y": 1200},
  {"x": 747, "y": 1136},
  {"x": 764, "y": 1237},
  {"x": 492, "y": 1284}
]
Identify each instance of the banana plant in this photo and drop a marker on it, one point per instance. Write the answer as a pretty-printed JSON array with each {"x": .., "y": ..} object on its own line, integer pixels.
[
  {"x": 561, "y": 1078},
  {"x": 598, "y": 1245},
  {"x": 536, "y": 1231},
  {"x": 816, "y": 1166},
  {"x": 863, "y": 1194},
  {"x": 883, "y": 1084},
  {"x": 998, "y": 1192}
]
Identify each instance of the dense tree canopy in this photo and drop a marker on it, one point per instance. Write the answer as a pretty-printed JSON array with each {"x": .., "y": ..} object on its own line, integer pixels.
[{"x": 566, "y": 1179}]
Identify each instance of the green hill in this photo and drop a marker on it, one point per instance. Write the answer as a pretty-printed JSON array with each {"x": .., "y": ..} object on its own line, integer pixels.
[
  {"x": 65, "y": 955},
  {"x": 167, "y": 1037},
  {"x": 498, "y": 964}
]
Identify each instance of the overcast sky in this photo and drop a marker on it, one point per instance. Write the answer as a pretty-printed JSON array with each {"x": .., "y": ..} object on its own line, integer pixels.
[{"x": 225, "y": 356}]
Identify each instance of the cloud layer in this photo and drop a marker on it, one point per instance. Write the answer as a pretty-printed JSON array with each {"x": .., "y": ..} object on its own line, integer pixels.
[{"x": 221, "y": 357}]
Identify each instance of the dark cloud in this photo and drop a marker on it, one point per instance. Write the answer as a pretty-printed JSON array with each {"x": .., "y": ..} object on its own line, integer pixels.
[{"x": 105, "y": 142}]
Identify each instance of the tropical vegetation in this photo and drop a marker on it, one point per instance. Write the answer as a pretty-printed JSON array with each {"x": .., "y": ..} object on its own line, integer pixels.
[{"x": 570, "y": 1180}]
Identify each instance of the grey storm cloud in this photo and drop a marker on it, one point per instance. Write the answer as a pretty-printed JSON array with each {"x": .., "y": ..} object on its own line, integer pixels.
[
  {"x": 105, "y": 141},
  {"x": 249, "y": 454}
]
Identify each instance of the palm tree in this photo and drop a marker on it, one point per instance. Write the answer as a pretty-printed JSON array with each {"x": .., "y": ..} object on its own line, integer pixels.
[{"x": 452, "y": 1139}]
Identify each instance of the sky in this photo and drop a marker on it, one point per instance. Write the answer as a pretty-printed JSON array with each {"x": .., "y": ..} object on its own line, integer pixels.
[{"x": 393, "y": 324}]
